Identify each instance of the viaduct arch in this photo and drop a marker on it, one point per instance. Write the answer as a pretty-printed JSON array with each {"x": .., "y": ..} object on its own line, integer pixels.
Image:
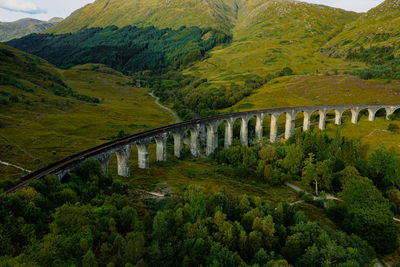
[{"x": 122, "y": 147}]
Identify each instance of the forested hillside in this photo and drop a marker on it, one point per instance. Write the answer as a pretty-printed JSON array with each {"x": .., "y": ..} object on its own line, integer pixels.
[
  {"x": 22, "y": 27},
  {"x": 128, "y": 49}
]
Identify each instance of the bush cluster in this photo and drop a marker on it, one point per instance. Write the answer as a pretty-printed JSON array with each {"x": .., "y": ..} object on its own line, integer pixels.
[{"x": 88, "y": 221}]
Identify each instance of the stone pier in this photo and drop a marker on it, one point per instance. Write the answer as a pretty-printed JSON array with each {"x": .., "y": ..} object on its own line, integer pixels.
[
  {"x": 306, "y": 121},
  {"x": 290, "y": 125},
  {"x": 123, "y": 160},
  {"x": 244, "y": 132},
  {"x": 178, "y": 143},
  {"x": 212, "y": 137},
  {"x": 274, "y": 127},
  {"x": 228, "y": 132},
  {"x": 143, "y": 155},
  {"x": 161, "y": 153},
  {"x": 195, "y": 141}
]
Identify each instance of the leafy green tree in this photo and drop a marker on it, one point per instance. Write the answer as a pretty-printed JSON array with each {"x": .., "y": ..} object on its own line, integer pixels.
[
  {"x": 368, "y": 215},
  {"x": 134, "y": 249},
  {"x": 384, "y": 168},
  {"x": 268, "y": 154},
  {"x": 293, "y": 161},
  {"x": 319, "y": 174},
  {"x": 89, "y": 259},
  {"x": 261, "y": 258},
  {"x": 394, "y": 196},
  {"x": 162, "y": 226},
  {"x": 348, "y": 174}
]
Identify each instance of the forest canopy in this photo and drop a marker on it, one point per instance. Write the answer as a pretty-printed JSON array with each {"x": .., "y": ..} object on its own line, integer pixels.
[{"x": 128, "y": 49}]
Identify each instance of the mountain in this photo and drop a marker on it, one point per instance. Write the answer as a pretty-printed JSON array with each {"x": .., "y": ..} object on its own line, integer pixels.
[
  {"x": 220, "y": 14},
  {"x": 270, "y": 35},
  {"x": 378, "y": 28},
  {"x": 22, "y": 27},
  {"x": 257, "y": 40}
]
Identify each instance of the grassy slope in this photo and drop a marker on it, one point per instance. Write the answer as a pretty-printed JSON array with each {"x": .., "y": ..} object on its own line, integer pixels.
[
  {"x": 36, "y": 133},
  {"x": 379, "y": 27},
  {"x": 268, "y": 35},
  {"x": 216, "y": 13},
  {"x": 22, "y": 27},
  {"x": 272, "y": 35},
  {"x": 314, "y": 90}
]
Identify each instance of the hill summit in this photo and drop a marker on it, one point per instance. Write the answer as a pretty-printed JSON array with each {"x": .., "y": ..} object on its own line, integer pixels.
[
  {"x": 22, "y": 27},
  {"x": 219, "y": 14}
]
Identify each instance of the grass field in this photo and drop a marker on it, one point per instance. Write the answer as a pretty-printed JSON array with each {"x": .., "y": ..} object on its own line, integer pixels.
[
  {"x": 40, "y": 133},
  {"x": 312, "y": 90}
]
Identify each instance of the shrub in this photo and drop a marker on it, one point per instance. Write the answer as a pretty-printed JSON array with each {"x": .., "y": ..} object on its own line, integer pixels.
[{"x": 393, "y": 127}]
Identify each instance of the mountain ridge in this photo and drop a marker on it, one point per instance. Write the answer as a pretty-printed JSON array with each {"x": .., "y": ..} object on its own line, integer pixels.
[
  {"x": 219, "y": 14},
  {"x": 25, "y": 26}
]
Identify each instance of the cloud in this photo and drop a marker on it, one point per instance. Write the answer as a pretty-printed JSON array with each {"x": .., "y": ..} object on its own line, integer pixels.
[{"x": 21, "y": 6}]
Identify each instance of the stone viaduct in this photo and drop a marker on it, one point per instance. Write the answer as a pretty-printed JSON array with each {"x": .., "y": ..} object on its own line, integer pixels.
[{"x": 122, "y": 147}]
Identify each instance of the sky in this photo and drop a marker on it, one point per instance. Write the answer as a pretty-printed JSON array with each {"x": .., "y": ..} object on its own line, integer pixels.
[{"x": 11, "y": 10}]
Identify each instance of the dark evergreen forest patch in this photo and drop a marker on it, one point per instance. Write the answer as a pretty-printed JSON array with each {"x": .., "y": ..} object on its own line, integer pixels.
[{"x": 128, "y": 49}]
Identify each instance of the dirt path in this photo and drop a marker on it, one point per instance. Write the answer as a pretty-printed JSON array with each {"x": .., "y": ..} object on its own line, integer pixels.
[
  {"x": 374, "y": 131},
  {"x": 13, "y": 165},
  {"x": 157, "y": 101},
  {"x": 166, "y": 108}
]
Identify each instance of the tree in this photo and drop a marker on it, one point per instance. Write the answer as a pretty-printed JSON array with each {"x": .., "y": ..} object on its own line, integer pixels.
[
  {"x": 268, "y": 154},
  {"x": 319, "y": 174},
  {"x": 394, "y": 196},
  {"x": 348, "y": 173},
  {"x": 162, "y": 226},
  {"x": 294, "y": 159},
  {"x": 368, "y": 215},
  {"x": 384, "y": 168},
  {"x": 89, "y": 259},
  {"x": 135, "y": 247}
]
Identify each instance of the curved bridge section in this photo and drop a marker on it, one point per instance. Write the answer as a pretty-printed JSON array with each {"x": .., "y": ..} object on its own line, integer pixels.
[{"x": 122, "y": 147}]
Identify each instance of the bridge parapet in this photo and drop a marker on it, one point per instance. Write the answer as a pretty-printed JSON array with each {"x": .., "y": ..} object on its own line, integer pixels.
[{"x": 191, "y": 130}]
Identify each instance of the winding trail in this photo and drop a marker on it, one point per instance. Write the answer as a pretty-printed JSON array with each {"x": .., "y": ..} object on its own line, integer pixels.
[
  {"x": 166, "y": 108},
  {"x": 178, "y": 120}
]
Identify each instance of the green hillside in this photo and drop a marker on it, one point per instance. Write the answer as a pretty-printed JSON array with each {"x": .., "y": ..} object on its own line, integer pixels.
[
  {"x": 267, "y": 37},
  {"x": 22, "y": 27},
  {"x": 48, "y": 114},
  {"x": 379, "y": 27},
  {"x": 271, "y": 35},
  {"x": 220, "y": 14},
  {"x": 128, "y": 49}
]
